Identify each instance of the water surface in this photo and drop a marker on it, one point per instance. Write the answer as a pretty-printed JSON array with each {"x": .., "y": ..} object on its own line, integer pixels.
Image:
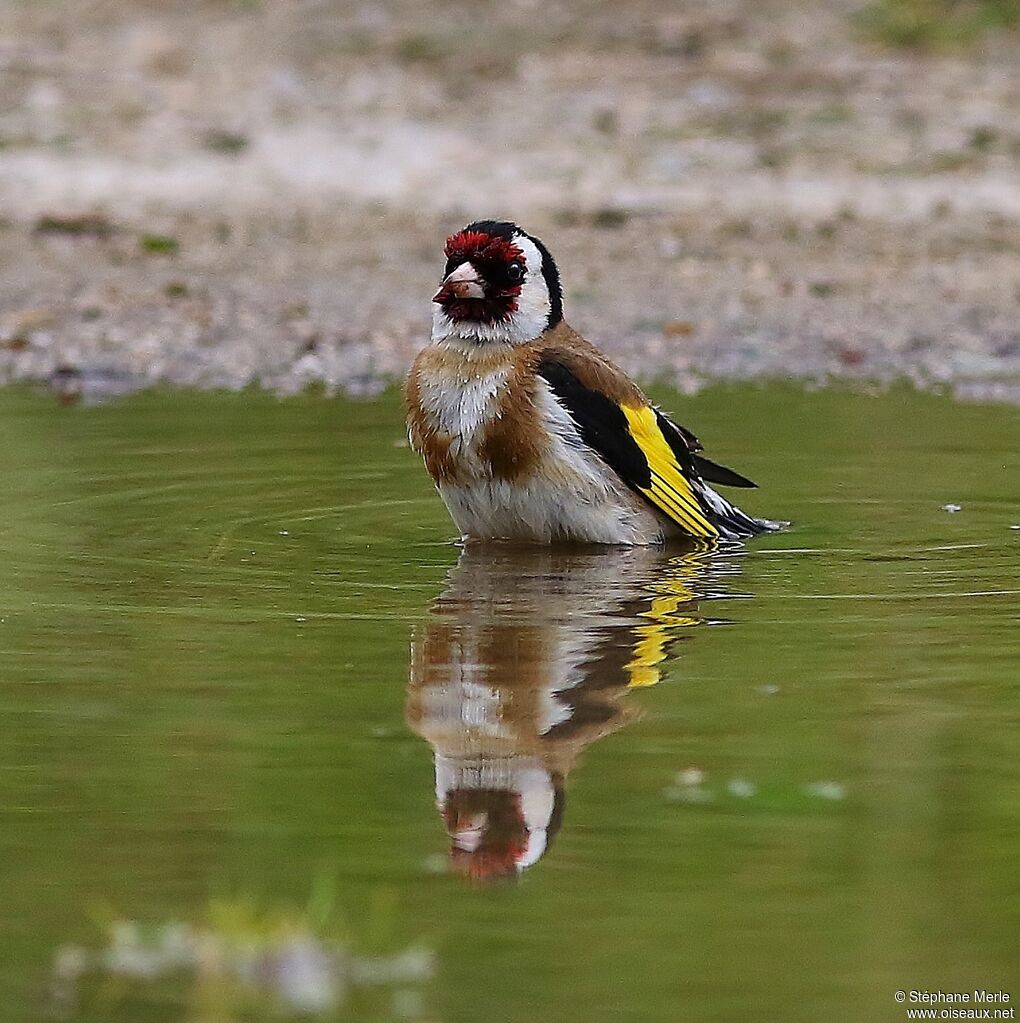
[{"x": 779, "y": 780}]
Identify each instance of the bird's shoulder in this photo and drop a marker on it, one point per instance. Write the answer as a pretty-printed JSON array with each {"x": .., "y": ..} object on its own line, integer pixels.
[
  {"x": 574, "y": 368},
  {"x": 567, "y": 360}
]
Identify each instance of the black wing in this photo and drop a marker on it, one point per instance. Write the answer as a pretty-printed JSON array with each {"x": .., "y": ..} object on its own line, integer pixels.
[
  {"x": 679, "y": 437},
  {"x": 629, "y": 437}
]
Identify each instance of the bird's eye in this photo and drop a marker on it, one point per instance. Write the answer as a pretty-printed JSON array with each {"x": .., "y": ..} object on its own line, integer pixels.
[{"x": 515, "y": 273}]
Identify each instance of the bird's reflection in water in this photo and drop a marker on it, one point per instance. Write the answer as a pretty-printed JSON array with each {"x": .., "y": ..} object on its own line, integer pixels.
[{"x": 525, "y": 659}]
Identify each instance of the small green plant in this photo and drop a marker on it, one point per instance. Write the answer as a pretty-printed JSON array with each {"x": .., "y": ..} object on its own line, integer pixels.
[
  {"x": 160, "y": 245},
  {"x": 220, "y": 140},
  {"x": 937, "y": 24},
  {"x": 79, "y": 225},
  {"x": 242, "y": 960},
  {"x": 983, "y": 138},
  {"x": 610, "y": 217},
  {"x": 419, "y": 49},
  {"x": 176, "y": 289}
]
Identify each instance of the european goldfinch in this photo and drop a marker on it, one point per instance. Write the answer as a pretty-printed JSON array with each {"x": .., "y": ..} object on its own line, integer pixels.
[{"x": 530, "y": 433}]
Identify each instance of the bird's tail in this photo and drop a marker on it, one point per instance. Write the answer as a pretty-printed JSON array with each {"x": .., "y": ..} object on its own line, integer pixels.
[{"x": 732, "y": 523}]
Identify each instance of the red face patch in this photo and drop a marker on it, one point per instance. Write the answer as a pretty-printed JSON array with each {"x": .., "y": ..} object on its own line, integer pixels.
[
  {"x": 504, "y": 838},
  {"x": 477, "y": 245},
  {"x": 492, "y": 256}
]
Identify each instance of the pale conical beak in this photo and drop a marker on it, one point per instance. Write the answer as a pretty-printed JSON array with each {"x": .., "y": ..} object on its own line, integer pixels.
[{"x": 464, "y": 282}]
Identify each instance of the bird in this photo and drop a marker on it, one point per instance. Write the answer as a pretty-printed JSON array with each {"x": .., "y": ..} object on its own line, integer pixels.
[{"x": 531, "y": 434}]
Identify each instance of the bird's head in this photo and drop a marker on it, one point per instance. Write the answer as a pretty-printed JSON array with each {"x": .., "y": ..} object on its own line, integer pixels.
[
  {"x": 501, "y": 815},
  {"x": 500, "y": 285}
]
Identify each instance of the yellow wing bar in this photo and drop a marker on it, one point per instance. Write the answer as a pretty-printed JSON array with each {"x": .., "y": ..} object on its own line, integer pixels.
[
  {"x": 675, "y": 607},
  {"x": 670, "y": 490}
]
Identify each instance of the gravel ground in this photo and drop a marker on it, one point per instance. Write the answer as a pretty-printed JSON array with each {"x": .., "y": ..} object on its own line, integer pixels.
[{"x": 216, "y": 194}]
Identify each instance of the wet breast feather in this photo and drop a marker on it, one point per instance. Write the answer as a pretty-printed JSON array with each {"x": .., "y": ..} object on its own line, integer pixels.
[
  {"x": 473, "y": 418},
  {"x": 450, "y": 400}
]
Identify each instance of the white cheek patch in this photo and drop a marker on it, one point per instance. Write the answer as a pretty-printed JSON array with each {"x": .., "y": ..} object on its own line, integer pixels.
[
  {"x": 534, "y": 302},
  {"x": 522, "y": 326}
]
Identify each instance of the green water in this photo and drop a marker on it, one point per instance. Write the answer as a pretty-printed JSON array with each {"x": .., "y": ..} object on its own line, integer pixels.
[{"x": 209, "y": 606}]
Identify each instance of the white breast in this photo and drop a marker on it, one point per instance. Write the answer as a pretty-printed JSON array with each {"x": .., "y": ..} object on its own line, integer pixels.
[{"x": 462, "y": 411}]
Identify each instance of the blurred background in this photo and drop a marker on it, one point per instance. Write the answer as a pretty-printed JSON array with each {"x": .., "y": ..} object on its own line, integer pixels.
[
  {"x": 774, "y": 781},
  {"x": 220, "y": 192}
]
